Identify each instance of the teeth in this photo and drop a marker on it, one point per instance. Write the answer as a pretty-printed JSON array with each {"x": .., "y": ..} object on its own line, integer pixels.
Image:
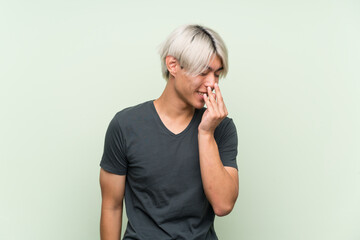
[{"x": 200, "y": 93}]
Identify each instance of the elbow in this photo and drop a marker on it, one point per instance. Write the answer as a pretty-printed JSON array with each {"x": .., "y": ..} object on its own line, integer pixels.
[
  {"x": 223, "y": 207},
  {"x": 224, "y": 210}
]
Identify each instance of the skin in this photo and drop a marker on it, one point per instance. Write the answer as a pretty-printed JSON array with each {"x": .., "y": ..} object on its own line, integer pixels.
[
  {"x": 175, "y": 107},
  {"x": 112, "y": 192}
]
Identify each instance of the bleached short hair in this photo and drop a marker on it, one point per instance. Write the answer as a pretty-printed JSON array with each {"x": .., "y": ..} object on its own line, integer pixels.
[{"x": 193, "y": 46}]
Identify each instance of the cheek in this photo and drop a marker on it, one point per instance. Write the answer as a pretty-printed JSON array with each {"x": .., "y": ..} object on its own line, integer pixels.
[{"x": 197, "y": 83}]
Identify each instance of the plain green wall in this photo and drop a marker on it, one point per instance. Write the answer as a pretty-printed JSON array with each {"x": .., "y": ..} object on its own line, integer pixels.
[{"x": 66, "y": 67}]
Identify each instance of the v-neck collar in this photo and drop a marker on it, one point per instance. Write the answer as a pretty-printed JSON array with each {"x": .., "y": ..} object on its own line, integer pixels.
[{"x": 162, "y": 125}]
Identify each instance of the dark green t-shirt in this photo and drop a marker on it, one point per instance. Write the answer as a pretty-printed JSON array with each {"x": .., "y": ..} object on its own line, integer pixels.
[{"x": 164, "y": 195}]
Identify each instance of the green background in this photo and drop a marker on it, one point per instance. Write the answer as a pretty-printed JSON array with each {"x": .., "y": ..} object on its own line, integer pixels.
[{"x": 66, "y": 67}]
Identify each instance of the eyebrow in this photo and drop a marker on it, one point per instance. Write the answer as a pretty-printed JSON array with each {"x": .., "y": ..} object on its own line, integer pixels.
[{"x": 210, "y": 68}]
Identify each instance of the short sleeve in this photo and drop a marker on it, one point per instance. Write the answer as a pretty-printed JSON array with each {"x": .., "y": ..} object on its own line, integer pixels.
[
  {"x": 114, "y": 157},
  {"x": 227, "y": 141}
]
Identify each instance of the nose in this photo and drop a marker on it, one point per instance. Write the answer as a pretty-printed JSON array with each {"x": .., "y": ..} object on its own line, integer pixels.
[{"x": 210, "y": 81}]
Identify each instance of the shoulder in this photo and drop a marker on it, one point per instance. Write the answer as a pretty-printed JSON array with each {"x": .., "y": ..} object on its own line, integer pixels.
[
  {"x": 227, "y": 123},
  {"x": 130, "y": 118},
  {"x": 225, "y": 130},
  {"x": 133, "y": 113}
]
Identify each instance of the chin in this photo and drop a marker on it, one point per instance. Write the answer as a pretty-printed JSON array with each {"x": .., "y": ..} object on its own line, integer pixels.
[
  {"x": 199, "y": 105},
  {"x": 197, "y": 101}
]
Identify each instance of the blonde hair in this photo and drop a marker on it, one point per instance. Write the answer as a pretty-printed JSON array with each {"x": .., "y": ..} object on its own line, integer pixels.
[{"x": 193, "y": 46}]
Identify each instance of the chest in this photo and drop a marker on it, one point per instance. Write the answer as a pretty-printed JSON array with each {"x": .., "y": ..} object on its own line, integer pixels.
[{"x": 155, "y": 157}]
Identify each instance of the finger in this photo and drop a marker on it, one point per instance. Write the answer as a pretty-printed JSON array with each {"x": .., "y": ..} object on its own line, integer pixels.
[
  {"x": 213, "y": 100},
  {"x": 218, "y": 93},
  {"x": 220, "y": 100},
  {"x": 208, "y": 103},
  {"x": 212, "y": 96}
]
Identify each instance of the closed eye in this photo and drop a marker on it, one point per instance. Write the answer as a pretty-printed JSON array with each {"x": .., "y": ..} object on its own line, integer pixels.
[
  {"x": 204, "y": 73},
  {"x": 217, "y": 73}
]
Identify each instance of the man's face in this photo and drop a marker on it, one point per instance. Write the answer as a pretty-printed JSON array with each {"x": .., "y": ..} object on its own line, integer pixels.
[{"x": 191, "y": 89}]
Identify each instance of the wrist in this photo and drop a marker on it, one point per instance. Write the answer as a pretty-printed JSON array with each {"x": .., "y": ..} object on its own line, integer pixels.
[{"x": 205, "y": 133}]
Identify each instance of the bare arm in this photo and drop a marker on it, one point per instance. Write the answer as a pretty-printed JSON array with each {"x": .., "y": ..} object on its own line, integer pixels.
[
  {"x": 220, "y": 183},
  {"x": 112, "y": 192}
]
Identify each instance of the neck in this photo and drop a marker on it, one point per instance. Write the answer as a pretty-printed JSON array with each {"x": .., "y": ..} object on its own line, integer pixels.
[{"x": 169, "y": 104}]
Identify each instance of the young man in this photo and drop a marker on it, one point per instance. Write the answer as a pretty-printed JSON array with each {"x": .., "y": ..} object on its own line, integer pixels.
[{"x": 173, "y": 160}]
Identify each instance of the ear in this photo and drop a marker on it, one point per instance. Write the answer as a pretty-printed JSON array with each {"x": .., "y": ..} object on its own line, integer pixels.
[{"x": 172, "y": 65}]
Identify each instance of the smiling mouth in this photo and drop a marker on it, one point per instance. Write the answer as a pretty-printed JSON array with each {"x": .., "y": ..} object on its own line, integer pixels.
[{"x": 201, "y": 93}]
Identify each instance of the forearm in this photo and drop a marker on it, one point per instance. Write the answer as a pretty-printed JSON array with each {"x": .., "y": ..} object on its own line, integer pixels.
[
  {"x": 219, "y": 186},
  {"x": 110, "y": 223}
]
